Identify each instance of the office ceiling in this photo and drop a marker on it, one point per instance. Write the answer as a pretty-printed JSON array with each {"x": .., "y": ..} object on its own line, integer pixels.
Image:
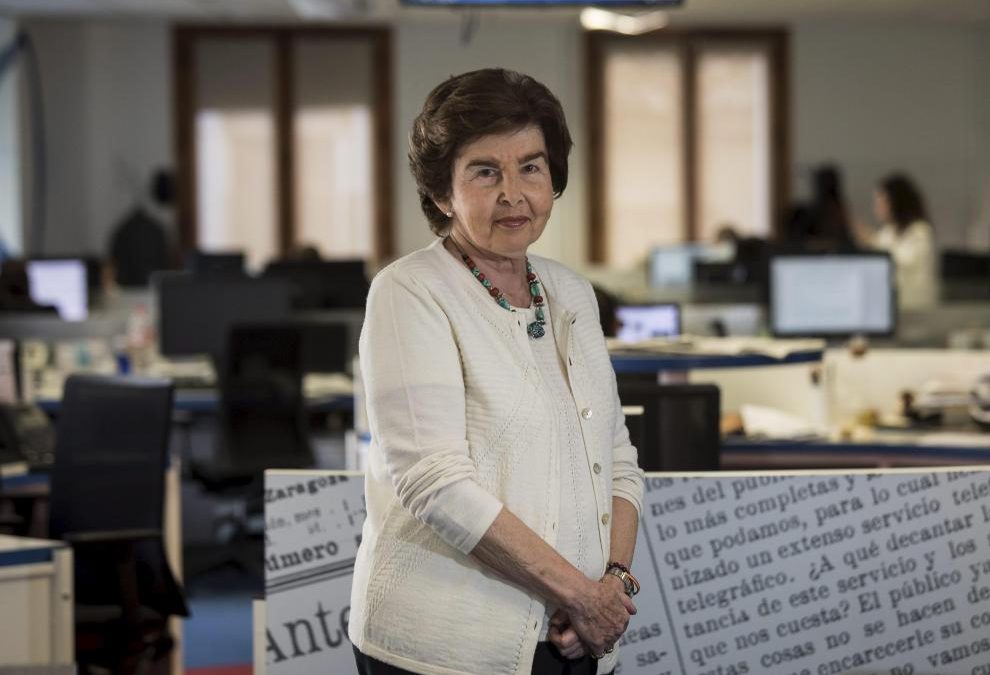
[{"x": 729, "y": 11}]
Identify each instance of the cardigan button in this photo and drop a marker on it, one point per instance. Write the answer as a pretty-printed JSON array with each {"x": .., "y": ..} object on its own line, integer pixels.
[
  {"x": 605, "y": 519},
  {"x": 597, "y": 468},
  {"x": 587, "y": 413}
]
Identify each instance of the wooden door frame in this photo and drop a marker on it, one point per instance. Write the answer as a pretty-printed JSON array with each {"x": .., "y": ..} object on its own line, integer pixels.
[
  {"x": 184, "y": 39},
  {"x": 776, "y": 41}
]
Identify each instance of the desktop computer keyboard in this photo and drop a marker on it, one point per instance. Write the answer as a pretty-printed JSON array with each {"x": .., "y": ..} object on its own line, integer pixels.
[{"x": 193, "y": 382}]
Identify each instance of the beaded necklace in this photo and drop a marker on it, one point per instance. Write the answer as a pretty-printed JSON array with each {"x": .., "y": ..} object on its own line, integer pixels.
[{"x": 536, "y": 328}]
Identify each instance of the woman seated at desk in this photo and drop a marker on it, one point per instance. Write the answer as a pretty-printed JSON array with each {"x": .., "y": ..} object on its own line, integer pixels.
[{"x": 907, "y": 235}]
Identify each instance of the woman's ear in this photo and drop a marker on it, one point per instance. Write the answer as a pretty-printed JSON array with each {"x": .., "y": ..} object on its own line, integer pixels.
[{"x": 445, "y": 207}]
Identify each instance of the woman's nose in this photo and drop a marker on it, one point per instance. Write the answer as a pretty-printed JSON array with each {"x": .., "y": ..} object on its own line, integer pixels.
[{"x": 511, "y": 190}]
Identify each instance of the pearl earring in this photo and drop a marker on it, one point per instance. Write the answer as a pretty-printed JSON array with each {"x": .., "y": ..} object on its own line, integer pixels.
[{"x": 449, "y": 214}]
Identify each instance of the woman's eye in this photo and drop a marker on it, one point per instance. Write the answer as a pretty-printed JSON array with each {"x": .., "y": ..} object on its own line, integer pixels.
[{"x": 485, "y": 173}]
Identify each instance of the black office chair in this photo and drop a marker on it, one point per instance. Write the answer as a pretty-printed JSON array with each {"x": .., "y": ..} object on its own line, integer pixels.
[
  {"x": 263, "y": 425},
  {"x": 107, "y": 501},
  {"x": 262, "y": 408},
  {"x": 679, "y": 428},
  {"x": 324, "y": 346}
]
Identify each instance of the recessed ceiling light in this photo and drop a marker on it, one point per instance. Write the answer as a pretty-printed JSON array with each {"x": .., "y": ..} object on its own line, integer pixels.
[{"x": 594, "y": 18}]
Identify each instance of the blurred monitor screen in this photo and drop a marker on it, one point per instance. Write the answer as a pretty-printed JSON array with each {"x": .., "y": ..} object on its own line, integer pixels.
[
  {"x": 673, "y": 265},
  {"x": 203, "y": 263},
  {"x": 323, "y": 284},
  {"x": 61, "y": 283},
  {"x": 832, "y": 295},
  {"x": 195, "y": 314},
  {"x": 640, "y": 322}
]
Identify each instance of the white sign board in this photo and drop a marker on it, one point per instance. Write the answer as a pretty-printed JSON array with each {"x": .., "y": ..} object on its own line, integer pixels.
[
  {"x": 312, "y": 529},
  {"x": 772, "y": 574}
]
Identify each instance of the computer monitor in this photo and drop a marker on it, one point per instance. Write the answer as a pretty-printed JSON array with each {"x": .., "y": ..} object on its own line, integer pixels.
[
  {"x": 833, "y": 295},
  {"x": 323, "y": 284},
  {"x": 641, "y": 322},
  {"x": 225, "y": 264},
  {"x": 673, "y": 264},
  {"x": 195, "y": 314},
  {"x": 61, "y": 283}
]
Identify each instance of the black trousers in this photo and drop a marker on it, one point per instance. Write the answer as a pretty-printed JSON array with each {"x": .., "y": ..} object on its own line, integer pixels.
[{"x": 546, "y": 661}]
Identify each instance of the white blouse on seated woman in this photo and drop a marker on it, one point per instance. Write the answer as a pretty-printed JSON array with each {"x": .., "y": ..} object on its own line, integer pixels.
[{"x": 915, "y": 261}]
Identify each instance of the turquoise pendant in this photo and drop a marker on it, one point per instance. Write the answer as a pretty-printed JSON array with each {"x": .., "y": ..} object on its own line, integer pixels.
[{"x": 536, "y": 330}]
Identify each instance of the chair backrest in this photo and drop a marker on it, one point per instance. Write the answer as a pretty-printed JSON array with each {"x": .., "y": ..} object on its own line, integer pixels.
[
  {"x": 679, "y": 428},
  {"x": 324, "y": 346},
  {"x": 263, "y": 415},
  {"x": 110, "y": 454}
]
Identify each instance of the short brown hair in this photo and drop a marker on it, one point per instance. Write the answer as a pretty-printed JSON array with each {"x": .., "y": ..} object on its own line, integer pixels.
[{"x": 471, "y": 105}]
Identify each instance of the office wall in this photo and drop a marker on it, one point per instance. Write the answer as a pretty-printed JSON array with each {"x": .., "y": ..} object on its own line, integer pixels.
[
  {"x": 871, "y": 96},
  {"x": 107, "y": 98},
  {"x": 979, "y": 232},
  {"x": 62, "y": 55},
  {"x": 879, "y": 96},
  {"x": 129, "y": 102},
  {"x": 10, "y": 184}
]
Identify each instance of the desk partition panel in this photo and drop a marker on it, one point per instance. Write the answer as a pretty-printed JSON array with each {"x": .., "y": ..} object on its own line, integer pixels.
[{"x": 779, "y": 574}]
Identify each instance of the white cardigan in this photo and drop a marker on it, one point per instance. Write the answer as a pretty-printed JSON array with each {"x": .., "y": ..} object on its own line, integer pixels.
[
  {"x": 915, "y": 263},
  {"x": 461, "y": 425}
]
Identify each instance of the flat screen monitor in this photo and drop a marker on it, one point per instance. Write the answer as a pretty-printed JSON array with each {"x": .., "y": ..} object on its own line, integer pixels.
[
  {"x": 673, "y": 265},
  {"x": 61, "y": 283},
  {"x": 224, "y": 264},
  {"x": 832, "y": 295},
  {"x": 195, "y": 314},
  {"x": 641, "y": 322},
  {"x": 323, "y": 284}
]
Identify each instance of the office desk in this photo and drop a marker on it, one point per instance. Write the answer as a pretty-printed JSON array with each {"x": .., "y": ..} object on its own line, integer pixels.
[
  {"x": 206, "y": 402},
  {"x": 644, "y": 363},
  {"x": 37, "y": 486},
  {"x": 36, "y": 617},
  {"x": 896, "y": 450}
]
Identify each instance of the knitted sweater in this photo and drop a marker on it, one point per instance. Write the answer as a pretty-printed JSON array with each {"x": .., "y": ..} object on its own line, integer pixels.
[{"x": 460, "y": 427}]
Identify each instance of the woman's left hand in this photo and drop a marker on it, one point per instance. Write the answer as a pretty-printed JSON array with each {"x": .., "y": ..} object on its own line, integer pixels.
[{"x": 563, "y": 636}]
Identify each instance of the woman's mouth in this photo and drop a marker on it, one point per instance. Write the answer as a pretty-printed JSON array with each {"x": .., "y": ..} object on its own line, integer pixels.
[{"x": 512, "y": 223}]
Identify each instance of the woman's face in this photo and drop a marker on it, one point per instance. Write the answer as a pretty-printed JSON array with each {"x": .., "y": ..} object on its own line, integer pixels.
[
  {"x": 501, "y": 192},
  {"x": 881, "y": 207}
]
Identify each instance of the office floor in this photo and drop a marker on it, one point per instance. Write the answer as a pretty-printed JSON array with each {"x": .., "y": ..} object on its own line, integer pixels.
[{"x": 218, "y": 634}]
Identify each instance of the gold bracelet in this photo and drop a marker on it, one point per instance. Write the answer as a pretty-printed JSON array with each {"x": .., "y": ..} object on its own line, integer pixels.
[{"x": 628, "y": 581}]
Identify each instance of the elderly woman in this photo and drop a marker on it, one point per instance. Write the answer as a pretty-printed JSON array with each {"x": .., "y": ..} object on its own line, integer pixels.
[{"x": 502, "y": 491}]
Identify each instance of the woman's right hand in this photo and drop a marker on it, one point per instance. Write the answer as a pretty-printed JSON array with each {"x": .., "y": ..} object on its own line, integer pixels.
[{"x": 599, "y": 614}]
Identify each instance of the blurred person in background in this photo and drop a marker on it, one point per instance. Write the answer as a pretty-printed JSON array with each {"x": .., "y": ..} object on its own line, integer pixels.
[
  {"x": 907, "y": 235},
  {"x": 823, "y": 224}
]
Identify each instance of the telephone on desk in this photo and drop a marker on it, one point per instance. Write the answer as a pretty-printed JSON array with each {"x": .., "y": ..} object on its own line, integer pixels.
[{"x": 26, "y": 434}]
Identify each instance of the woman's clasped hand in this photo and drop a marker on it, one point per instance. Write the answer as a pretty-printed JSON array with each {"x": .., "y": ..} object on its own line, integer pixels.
[{"x": 593, "y": 621}]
